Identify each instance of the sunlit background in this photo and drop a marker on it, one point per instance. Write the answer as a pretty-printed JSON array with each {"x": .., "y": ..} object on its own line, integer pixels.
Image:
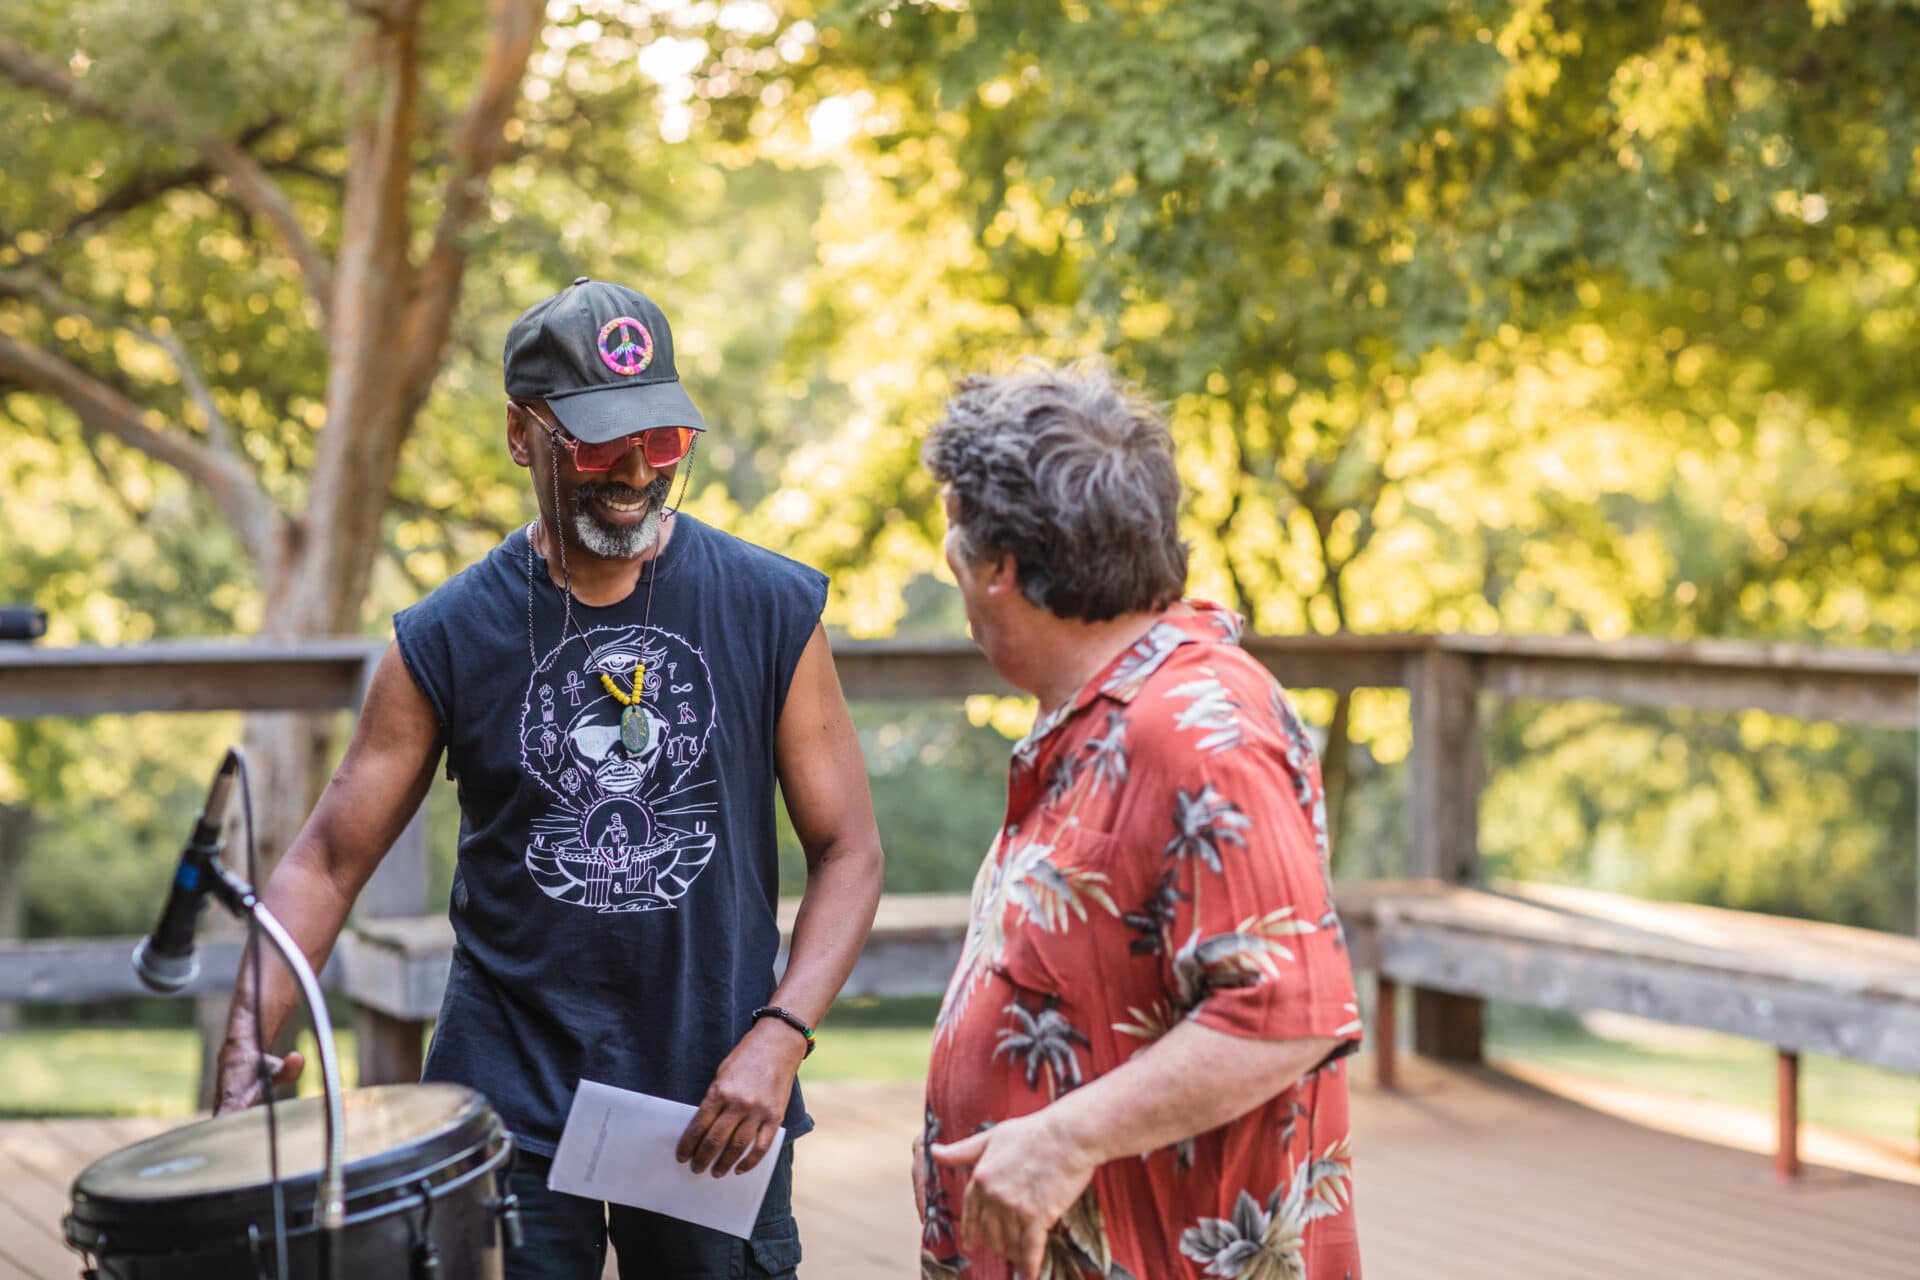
[{"x": 1479, "y": 317}]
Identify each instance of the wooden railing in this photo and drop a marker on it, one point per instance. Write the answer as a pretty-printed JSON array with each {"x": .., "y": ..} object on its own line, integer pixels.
[{"x": 1445, "y": 676}]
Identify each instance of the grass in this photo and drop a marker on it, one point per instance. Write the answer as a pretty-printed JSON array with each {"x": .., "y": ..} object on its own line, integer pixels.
[
  {"x": 151, "y": 1071},
  {"x": 1834, "y": 1093},
  {"x": 871, "y": 1039},
  {"x": 92, "y": 1071},
  {"x": 119, "y": 1071}
]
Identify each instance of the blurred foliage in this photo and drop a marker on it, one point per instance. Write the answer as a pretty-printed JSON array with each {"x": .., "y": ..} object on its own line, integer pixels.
[
  {"x": 939, "y": 795},
  {"x": 1750, "y": 811},
  {"x": 1468, "y": 316},
  {"x": 1490, "y": 317}
]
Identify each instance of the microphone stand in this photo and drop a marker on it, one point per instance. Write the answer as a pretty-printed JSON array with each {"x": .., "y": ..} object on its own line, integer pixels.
[{"x": 238, "y": 897}]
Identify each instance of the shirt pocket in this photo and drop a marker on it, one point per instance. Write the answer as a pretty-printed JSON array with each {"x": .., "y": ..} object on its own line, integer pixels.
[{"x": 1062, "y": 916}]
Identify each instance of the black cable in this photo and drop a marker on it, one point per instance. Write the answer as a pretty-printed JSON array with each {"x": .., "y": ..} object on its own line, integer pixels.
[{"x": 259, "y": 1031}]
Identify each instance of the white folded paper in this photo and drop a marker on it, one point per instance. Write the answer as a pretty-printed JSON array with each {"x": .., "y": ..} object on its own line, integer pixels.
[{"x": 618, "y": 1145}]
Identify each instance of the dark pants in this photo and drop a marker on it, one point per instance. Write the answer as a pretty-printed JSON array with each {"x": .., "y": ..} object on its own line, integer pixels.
[{"x": 566, "y": 1236}]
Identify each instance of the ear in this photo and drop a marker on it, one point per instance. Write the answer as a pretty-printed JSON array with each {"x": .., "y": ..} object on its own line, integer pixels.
[
  {"x": 1006, "y": 576},
  {"x": 519, "y": 448}
]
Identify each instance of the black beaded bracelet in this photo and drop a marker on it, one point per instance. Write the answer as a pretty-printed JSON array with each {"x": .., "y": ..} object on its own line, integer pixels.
[{"x": 775, "y": 1011}]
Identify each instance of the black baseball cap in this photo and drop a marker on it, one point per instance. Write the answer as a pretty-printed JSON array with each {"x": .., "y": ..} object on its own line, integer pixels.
[{"x": 601, "y": 356}]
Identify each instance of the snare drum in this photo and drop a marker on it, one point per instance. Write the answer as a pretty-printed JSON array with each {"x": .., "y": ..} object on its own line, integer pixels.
[{"x": 425, "y": 1180}]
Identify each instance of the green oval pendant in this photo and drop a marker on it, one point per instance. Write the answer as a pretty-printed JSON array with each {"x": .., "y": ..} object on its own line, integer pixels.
[{"x": 633, "y": 729}]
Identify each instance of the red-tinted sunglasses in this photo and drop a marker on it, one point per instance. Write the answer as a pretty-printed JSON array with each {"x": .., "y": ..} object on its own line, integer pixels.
[{"x": 660, "y": 446}]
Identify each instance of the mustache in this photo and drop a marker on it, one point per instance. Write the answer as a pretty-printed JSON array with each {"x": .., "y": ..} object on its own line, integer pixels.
[{"x": 655, "y": 494}]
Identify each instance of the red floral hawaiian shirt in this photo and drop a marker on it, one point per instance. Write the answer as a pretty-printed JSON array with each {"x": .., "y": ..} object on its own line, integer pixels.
[{"x": 1164, "y": 857}]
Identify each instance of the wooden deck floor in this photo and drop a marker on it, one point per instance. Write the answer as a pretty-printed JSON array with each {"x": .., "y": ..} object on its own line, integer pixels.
[{"x": 1469, "y": 1175}]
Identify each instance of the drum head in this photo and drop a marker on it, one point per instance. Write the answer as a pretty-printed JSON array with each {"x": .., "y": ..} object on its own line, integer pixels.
[{"x": 207, "y": 1178}]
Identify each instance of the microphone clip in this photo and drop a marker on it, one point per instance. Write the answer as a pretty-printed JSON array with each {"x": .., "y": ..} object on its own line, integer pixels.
[{"x": 164, "y": 961}]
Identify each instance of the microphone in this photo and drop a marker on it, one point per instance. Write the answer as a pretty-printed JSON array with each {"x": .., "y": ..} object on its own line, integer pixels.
[
  {"x": 164, "y": 960},
  {"x": 22, "y": 622}
]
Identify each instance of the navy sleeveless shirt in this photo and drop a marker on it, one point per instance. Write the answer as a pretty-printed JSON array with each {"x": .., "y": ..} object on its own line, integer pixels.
[{"x": 614, "y": 905}]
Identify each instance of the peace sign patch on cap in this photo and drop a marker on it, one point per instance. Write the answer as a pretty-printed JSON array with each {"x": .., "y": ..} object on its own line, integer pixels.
[{"x": 628, "y": 354}]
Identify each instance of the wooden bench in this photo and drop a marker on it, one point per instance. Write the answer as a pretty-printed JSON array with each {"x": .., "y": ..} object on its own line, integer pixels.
[
  {"x": 395, "y": 971},
  {"x": 1797, "y": 985}
]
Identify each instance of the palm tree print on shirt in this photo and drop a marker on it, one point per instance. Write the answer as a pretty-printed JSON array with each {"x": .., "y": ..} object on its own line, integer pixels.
[
  {"x": 1078, "y": 1248},
  {"x": 1102, "y": 757},
  {"x": 1048, "y": 895},
  {"x": 933, "y": 1267},
  {"x": 1303, "y": 766},
  {"x": 938, "y": 1222},
  {"x": 1268, "y": 1242},
  {"x": 1211, "y": 707},
  {"x": 1106, "y": 753},
  {"x": 1153, "y": 918},
  {"x": 1146, "y": 656},
  {"x": 1204, "y": 821},
  {"x": 1243, "y": 958},
  {"x": 1217, "y": 962},
  {"x": 1150, "y": 1023},
  {"x": 1046, "y": 1044}
]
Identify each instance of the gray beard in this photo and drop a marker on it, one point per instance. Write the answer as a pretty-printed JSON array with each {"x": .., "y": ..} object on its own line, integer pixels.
[{"x": 619, "y": 541}]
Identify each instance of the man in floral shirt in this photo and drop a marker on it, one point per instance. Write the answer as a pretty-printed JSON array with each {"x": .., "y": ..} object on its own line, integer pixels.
[{"x": 1137, "y": 1070}]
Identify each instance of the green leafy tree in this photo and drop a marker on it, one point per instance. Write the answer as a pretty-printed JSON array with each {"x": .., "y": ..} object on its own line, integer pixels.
[
  {"x": 1469, "y": 315},
  {"x": 237, "y": 256},
  {"x": 242, "y": 260},
  {"x": 248, "y": 368}
]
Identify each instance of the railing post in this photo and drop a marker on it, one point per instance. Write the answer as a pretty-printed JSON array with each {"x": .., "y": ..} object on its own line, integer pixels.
[
  {"x": 1786, "y": 1148},
  {"x": 1443, "y": 824},
  {"x": 388, "y": 1050},
  {"x": 1386, "y": 1033}
]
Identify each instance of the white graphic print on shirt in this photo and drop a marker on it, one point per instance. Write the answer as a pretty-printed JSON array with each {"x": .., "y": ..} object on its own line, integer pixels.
[{"x": 629, "y": 831}]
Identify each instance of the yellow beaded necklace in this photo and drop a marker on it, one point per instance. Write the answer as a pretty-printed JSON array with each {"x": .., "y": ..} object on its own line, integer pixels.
[
  {"x": 639, "y": 681},
  {"x": 633, "y": 717}
]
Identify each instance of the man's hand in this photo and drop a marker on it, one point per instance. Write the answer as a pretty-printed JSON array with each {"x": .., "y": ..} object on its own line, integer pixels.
[
  {"x": 1026, "y": 1174},
  {"x": 745, "y": 1104},
  {"x": 238, "y": 1084},
  {"x": 920, "y": 1175}
]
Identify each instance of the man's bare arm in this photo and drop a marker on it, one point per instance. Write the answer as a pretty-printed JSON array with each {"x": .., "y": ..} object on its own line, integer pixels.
[
  {"x": 824, "y": 779},
  {"x": 369, "y": 800},
  {"x": 823, "y": 776}
]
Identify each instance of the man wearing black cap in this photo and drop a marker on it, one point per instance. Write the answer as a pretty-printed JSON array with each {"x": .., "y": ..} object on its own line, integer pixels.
[{"x": 616, "y": 688}]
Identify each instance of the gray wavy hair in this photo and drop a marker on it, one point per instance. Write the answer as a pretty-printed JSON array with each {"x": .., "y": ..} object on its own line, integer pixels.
[{"x": 1069, "y": 471}]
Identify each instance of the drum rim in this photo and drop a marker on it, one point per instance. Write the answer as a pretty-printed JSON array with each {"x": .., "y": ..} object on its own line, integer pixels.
[
  {"x": 369, "y": 1178},
  {"x": 158, "y": 1234}
]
